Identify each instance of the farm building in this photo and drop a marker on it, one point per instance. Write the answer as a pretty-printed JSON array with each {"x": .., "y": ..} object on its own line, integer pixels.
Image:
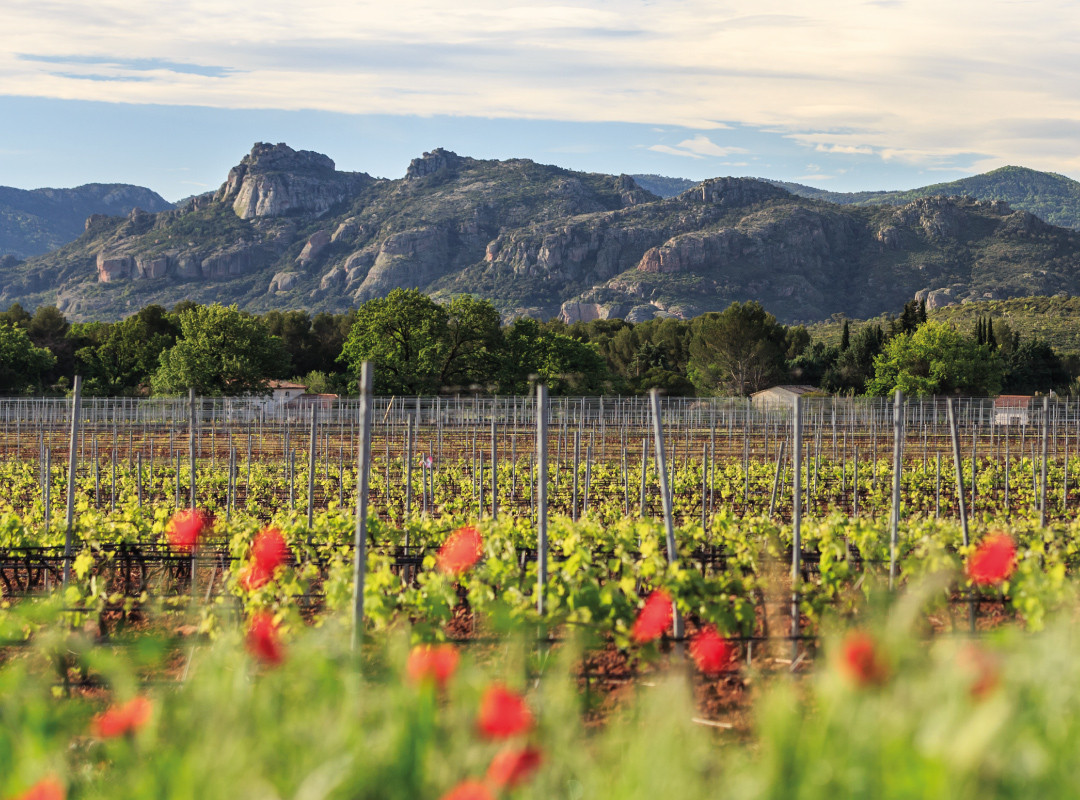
[
  {"x": 781, "y": 395},
  {"x": 281, "y": 392},
  {"x": 1012, "y": 409},
  {"x": 304, "y": 401}
]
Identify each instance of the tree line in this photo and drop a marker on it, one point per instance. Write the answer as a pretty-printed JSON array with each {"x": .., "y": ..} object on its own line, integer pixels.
[{"x": 420, "y": 346}]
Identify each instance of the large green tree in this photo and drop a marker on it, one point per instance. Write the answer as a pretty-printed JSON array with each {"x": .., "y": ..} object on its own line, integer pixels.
[
  {"x": 936, "y": 359},
  {"x": 23, "y": 365},
  {"x": 221, "y": 351},
  {"x": 294, "y": 330},
  {"x": 1033, "y": 366},
  {"x": 567, "y": 365},
  {"x": 403, "y": 335},
  {"x": 737, "y": 351},
  {"x": 854, "y": 365},
  {"x": 474, "y": 343},
  {"x": 49, "y": 328},
  {"x": 418, "y": 346},
  {"x": 128, "y": 352}
]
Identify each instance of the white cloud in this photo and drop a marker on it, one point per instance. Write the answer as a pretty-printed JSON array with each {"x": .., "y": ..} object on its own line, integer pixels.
[
  {"x": 697, "y": 147},
  {"x": 846, "y": 149},
  {"x": 674, "y": 151},
  {"x": 920, "y": 82}
]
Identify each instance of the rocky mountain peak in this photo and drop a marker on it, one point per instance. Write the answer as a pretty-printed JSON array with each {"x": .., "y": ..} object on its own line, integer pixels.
[
  {"x": 430, "y": 163},
  {"x": 280, "y": 157},
  {"x": 631, "y": 193},
  {"x": 733, "y": 192},
  {"x": 274, "y": 180}
]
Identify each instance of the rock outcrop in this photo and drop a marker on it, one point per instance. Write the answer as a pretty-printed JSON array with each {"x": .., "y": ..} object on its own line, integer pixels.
[
  {"x": 152, "y": 267},
  {"x": 284, "y": 281},
  {"x": 575, "y": 311},
  {"x": 113, "y": 268},
  {"x": 734, "y": 192},
  {"x": 438, "y": 160},
  {"x": 275, "y": 180},
  {"x": 409, "y": 259},
  {"x": 939, "y": 298},
  {"x": 313, "y": 248},
  {"x": 692, "y": 251}
]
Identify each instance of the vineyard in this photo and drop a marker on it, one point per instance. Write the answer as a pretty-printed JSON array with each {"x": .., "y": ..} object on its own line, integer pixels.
[{"x": 319, "y": 602}]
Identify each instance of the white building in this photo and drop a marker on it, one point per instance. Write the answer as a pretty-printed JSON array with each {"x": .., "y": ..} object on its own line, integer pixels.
[
  {"x": 1012, "y": 409},
  {"x": 781, "y": 396},
  {"x": 281, "y": 392}
]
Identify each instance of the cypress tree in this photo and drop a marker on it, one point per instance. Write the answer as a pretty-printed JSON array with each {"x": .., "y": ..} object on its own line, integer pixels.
[{"x": 845, "y": 337}]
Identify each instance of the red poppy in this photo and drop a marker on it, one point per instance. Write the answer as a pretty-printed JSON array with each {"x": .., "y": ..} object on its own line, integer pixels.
[
  {"x": 711, "y": 651},
  {"x": 983, "y": 669},
  {"x": 503, "y": 713},
  {"x": 253, "y": 577},
  {"x": 432, "y": 663},
  {"x": 860, "y": 660},
  {"x": 268, "y": 552},
  {"x": 469, "y": 790},
  {"x": 993, "y": 560},
  {"x": 513, "y": 767},
  {"x": 654, "y": 617},
  {"x": 263, "y": 639},
  {"x": 460, "y": 551},
  {"x": 185, "y": 528},
  {"x": 122, "y": 719},
  {"x": 45, "y": 789}
]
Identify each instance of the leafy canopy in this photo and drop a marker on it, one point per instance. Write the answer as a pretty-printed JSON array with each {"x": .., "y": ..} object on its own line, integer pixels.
[
  {"x": 221, "y": 351},
  {"x": 737, "y": 351},
  {"x": 22, "y": 363},
  {"x": 936, "y": 359},
  {"x": 418, "y": 346}
]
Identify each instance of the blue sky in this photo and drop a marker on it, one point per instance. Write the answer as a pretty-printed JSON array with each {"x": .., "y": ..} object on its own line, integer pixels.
[{"x": 840, "y": 94}]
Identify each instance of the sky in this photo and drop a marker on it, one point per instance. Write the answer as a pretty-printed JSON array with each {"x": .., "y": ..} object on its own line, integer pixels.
[{"x": 840, "y": 94}]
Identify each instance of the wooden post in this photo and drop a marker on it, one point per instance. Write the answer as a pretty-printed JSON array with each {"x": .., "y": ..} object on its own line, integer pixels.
[
  {"x": 363, "y": 476},
  {"x": 776, "y": 477},
  {"x": 541, "y": 495},
  {"x": 898, "y": 449},
  {"x": 407, "y": 453},
  {"x": 644, "y": 473},
  {"x": 955, "y": 436},
  {"x": 665, "y": 495},
  {"x": 494, "y": 468},
  {"x": 1042, "y": 465},
  {"x": 311, "y": 472},
  {"x": 796, "y": 523},
  {"x": 73, "y": 463}
]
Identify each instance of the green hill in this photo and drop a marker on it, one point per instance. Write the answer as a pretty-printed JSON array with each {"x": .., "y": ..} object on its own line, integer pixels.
[
  {"x": 1051, "y": 197},
  {"x": 1055, "y": 319},
  {"x": 663, "y": 186},
  {"x": 36, "y": 221}
]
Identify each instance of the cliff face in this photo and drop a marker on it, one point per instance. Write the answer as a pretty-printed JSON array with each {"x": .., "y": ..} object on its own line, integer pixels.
[
  {"x": 275, "y": 180},
  {"x": 287, "y": 229}
]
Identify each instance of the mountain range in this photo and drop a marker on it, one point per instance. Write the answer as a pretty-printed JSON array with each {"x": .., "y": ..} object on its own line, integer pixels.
[
  {"x": 287, "y": 229},
  {"x": 36, "y": 221},
  {"x": 1051, "y": 197}
]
